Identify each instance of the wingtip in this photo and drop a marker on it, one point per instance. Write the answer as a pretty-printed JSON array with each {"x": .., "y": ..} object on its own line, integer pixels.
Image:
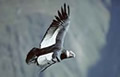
[
  {"x": 64, "y": 4},
  {"x": 68, "y": 8}
]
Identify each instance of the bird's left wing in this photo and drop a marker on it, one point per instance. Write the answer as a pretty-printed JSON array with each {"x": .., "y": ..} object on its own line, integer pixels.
[
  {"x": 55, "y": 33},
  {"x": 44, "y": 67}
]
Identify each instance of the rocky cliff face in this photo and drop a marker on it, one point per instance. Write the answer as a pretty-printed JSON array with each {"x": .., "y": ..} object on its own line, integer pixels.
[{"x": 24, "y": 22}]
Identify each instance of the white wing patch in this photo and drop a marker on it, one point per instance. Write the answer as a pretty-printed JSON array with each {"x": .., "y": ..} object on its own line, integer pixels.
[
  {"x": 50, "y": 40},
  {"x": 43, "y": 59}
]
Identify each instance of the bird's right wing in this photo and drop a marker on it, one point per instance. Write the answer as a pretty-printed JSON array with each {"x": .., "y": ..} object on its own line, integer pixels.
[{"x": 56, "y": 32}]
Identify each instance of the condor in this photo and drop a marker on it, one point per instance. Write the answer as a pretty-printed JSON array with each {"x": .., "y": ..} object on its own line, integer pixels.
[{"x": 51, "y": 48}]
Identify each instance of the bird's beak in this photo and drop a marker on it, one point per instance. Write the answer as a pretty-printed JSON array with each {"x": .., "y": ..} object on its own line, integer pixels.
[
  {"x": 27, "y": 62},
  {"x": 72, "y": 54}
]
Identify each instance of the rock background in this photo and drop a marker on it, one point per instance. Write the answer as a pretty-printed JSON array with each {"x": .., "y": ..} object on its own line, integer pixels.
[{"x": 93, "y": 35}]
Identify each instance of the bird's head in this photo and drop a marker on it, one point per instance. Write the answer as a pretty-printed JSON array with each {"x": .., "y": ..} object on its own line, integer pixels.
[
  {"x": 67, "y": 54},
  {"x": 32, "y": 56}
]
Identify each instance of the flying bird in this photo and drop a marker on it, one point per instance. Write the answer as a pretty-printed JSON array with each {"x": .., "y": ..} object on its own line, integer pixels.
[{"x": 51, "y": 48}]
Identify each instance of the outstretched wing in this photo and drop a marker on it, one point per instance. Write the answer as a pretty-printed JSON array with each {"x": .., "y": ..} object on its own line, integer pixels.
[
  {"x": 56, "y": 32},
  {"x": 43, "y": 68}
]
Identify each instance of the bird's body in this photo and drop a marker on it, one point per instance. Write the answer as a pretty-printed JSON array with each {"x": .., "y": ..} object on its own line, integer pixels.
[{"x": 51, "y": 48}]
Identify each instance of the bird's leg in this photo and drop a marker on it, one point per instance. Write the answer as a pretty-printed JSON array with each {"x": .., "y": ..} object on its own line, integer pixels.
[{"x": 55, "y": 57}]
